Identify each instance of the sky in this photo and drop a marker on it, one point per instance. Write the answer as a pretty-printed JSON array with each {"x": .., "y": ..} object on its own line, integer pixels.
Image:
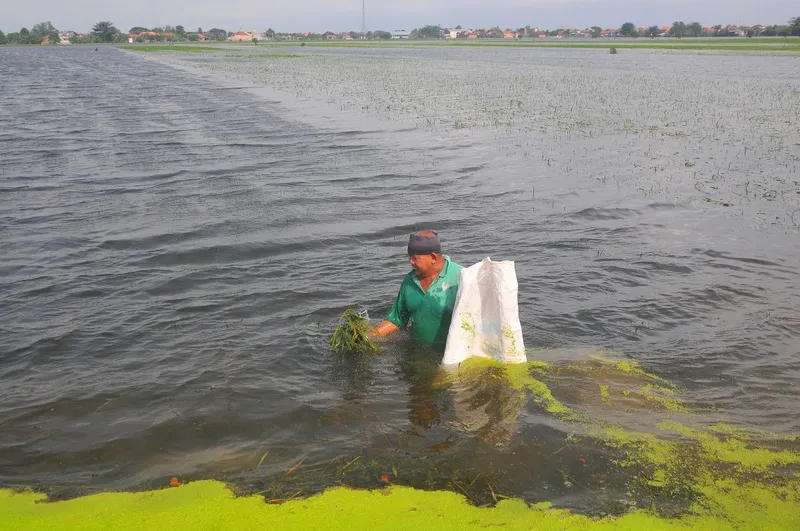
[{"x": 345, "y": 15}]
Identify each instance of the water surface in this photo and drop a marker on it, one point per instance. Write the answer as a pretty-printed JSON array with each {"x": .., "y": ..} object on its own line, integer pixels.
[{"x": 178, "y": 244}]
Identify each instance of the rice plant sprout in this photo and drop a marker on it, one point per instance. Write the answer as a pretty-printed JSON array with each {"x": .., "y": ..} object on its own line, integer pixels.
[{"x": 352, "y": 335}]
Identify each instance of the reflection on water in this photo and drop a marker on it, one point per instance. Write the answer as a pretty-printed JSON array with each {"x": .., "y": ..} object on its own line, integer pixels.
[{"x": 487, "y": 406}]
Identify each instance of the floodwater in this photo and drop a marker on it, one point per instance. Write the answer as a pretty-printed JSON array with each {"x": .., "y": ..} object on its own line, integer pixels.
[{"x": 180, "y": 234}]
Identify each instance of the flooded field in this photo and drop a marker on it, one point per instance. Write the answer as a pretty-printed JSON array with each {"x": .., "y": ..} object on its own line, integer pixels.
[
  {"x": 711, "y": 129},
  {"x": 182, "y": 231}
]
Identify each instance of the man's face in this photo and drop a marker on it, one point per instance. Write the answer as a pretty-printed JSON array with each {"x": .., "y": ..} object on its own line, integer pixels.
[{"x": 424, "y": 264}]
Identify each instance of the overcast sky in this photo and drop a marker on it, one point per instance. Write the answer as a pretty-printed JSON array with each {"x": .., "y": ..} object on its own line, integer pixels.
[{"x": 343, "y": 15}]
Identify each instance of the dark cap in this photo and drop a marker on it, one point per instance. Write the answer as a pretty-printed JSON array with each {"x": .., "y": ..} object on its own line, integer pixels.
[{"x": 424, "y": 244}]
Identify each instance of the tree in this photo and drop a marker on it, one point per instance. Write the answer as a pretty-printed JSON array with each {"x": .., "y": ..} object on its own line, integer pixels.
[
  {"x": 24, "y": 36},
  {"x": 3, "y": 39},
  {"x": 427, "y": 32},
  {"x": 54, "y": 37},
  {"x": 694, "y": 29},
  {"x": 104, "y": 31},
  {"x": 180, "y": 32},
  {"x": 40, "y": 32},
  {"x": 597, "y": 32},
  {"x": 216, "y": 34},
  {"x": 385, "y": 35},
  {"x": 199, "y": 30},
  {"x": 270, "y": 33},
  {"x": 255, "y": 40},
  {"x": 653, "y": 32},
  {"x": 136, "y": 30},
  {"x": 678, "y": 29},
  {"x": 795, "y": 25},
  {"x": 628, "y": 29}
]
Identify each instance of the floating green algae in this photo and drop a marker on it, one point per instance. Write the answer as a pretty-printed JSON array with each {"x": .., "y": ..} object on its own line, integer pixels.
[
  {"x": 658, "y": 395},
  {"x": 626, "y": 366},
  {"x": 519, "y": 376},
  {"x": 735, "y": 448},
  {"x": 714, "y": 476},
  {"x": 605, "y": 395},
  {"x": 211, "y": 505}
]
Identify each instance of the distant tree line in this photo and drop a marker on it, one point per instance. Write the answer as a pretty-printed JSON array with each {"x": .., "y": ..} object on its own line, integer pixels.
[
  {"x": 106, "y": 32},
  {"x": 43, "y": 32},
  {"x": 678, "y": 29}
]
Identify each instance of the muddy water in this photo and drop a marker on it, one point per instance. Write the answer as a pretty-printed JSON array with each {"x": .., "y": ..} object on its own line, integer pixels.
[{"x": 180, "y": 234}]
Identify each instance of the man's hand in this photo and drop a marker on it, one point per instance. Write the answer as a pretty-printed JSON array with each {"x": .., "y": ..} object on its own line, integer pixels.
[{"x": 384, "y": 329}]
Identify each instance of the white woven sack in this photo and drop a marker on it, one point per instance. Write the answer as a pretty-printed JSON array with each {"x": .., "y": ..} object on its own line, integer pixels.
[{"x": 486, "y": 315}]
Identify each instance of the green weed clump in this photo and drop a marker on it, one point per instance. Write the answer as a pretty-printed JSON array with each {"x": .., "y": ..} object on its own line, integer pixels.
[{"x": 352, "y": 335}]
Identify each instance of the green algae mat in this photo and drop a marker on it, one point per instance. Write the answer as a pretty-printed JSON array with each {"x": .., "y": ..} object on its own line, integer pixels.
[
  {"x": 725, "y": 478},
  {"x": 211, "y": 505}
]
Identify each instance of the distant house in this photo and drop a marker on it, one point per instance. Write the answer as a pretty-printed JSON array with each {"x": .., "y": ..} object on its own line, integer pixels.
[
  {"x": 329, "y": 35},
  {"x": 739, "y": 32},
  {"x": 241, "y": 36},
  {"x": 400, "y": 34},
  {"x": 202, "y": 37}
]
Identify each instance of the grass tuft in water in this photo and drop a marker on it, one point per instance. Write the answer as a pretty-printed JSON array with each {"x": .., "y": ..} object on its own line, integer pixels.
[{"x": 352, "y": 335}]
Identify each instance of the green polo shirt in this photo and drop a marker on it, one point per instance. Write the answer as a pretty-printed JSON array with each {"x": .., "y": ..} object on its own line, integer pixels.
[{"x": 427, "y": 314}]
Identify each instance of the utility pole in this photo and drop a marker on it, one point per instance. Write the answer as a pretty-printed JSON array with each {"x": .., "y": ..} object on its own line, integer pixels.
[{"x": 363, "y": 19}]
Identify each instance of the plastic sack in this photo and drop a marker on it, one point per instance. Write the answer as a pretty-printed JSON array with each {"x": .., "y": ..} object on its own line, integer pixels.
[{"x": 486, "y": 315}]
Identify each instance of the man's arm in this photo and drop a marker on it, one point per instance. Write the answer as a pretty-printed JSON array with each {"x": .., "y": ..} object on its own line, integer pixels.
[
  {"x": 384, "y": 329},
  {"x": 398, "y": 316}
]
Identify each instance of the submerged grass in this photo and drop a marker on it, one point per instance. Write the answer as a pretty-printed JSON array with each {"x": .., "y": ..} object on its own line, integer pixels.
[{"x": 352, "y": 335}]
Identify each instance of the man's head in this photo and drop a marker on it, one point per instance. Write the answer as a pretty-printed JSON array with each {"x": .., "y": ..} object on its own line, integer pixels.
[{"x": 425, "y": 253}]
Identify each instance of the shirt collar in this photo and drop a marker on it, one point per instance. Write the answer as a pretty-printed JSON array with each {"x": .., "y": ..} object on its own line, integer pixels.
[{"x": 446, "y": 265}]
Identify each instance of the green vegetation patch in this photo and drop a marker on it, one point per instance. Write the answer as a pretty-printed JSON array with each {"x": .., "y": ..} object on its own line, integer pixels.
[
  {"x": 211, "y": 505},
  {"x": 352, "y": 335}
]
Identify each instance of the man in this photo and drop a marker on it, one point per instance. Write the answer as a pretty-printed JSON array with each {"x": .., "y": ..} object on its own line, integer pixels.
[{"x": 427, "y": 294}]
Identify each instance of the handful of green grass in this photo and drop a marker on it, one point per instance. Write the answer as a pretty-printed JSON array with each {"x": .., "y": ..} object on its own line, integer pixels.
[{"x": 352, "y": 335}]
